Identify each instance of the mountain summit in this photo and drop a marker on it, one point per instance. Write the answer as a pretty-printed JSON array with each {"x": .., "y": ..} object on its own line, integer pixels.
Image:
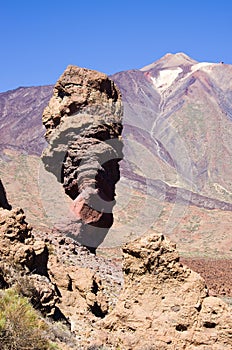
[
  {"x": 170, "y": 60},
  {"x": 185, "y": 107}
]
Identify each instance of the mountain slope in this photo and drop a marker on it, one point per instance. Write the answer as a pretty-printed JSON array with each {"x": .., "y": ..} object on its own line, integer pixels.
[
  {"x": 181, "y": 111},
  {"x": 20, "y": 118}
]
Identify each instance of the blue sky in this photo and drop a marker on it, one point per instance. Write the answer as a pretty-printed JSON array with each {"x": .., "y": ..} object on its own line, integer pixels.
[{"x": 40, "y": 38}]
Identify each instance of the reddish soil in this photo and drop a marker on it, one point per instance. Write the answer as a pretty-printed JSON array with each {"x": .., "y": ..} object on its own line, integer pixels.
[{"x": 217, "y": 274}]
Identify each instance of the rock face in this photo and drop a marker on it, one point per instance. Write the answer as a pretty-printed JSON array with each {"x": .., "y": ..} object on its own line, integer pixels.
[
  {"x": 23, "y": 261},
  {"x": 165, "y": 305},
  {"x": 82, "y": 294},
  {"x": 24, "y": 250},
  {"x": 83, "y": 122},
  {"x": 51, "y": 271}
]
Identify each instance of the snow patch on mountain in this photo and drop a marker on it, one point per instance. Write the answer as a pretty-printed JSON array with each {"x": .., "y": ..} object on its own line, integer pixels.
[
  {"x": 165, "y": 78},
  {"x": 205, "y": 66}
]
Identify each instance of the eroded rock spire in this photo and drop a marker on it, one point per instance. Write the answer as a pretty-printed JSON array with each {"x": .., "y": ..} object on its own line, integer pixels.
[{"x": 84, "y": 125}]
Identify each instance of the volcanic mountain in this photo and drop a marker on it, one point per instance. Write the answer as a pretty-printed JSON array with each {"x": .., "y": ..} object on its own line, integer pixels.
[
  {"x": 181, "y": 112},
  {"x": 177, "y": 146}
]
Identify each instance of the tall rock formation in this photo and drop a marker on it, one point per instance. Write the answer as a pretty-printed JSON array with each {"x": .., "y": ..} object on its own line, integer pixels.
[
  {"x": 165, "y": 305},
  {"x": 84, "y": 124}
]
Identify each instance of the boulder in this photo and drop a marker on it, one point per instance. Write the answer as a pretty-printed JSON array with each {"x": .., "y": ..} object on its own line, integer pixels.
[{"x": 164, "y": 304}]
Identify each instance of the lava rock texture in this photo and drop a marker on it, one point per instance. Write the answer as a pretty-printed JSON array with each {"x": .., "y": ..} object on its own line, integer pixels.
[
  {"x": 84, "y": 125},
  {"x": 164, "y": 304}
]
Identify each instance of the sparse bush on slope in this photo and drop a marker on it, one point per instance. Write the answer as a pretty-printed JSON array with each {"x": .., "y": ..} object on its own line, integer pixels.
[{"x": 20, "y": 325}]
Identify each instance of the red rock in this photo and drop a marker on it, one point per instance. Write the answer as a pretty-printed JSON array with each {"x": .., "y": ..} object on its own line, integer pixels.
[{"x": 84, "y": 124}]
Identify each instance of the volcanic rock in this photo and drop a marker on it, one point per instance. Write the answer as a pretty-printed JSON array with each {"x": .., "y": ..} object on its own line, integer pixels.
[
  {"x": 165, "y": 305},
  {"x": 83, "y": 122},
  {"x": 82, "y": 295},
  {"x": 18, "y": 243},
  {"x": 23, "y": 261},
  {"x": 49, "y": 279},
  {"x": 81, "y": 90}
]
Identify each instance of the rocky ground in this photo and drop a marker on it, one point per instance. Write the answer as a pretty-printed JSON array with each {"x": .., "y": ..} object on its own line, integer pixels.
[
  {"x": 217, "y": 274},
  {"x": 100, "y": 301},
  {"x": 108, "y": 263}
]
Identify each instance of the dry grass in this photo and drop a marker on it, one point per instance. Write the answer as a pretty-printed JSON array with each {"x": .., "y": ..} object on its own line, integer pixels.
[{"x": 21, "y": 327}]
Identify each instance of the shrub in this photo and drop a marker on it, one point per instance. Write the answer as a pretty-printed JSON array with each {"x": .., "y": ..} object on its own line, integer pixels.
[{"x": 21, "y": 328}]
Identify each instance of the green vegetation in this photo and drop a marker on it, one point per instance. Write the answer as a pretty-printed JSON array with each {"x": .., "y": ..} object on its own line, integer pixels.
[
  {"x": 21, "y": 327},
  {"x": 193, "y": 224}
]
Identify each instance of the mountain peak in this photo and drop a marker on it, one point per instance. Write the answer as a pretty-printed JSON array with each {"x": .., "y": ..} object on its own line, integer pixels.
[
  {"x": 179, "y": 55},
  {"x": 171, "y": 60}
]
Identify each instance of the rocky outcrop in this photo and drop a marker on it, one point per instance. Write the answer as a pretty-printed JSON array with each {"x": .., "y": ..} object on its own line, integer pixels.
[
  {"x": 81, "y": 90},
  {"x": 47, "y": 271},
  {"x": 23, "y": 261},
  {"x": 165, "y": 305},
  {"x": 82, "y": 294},
  {"x": 83, "y": 122},
  {"x": 45, "y": 279},
  {"x": 18, "y": 245}
]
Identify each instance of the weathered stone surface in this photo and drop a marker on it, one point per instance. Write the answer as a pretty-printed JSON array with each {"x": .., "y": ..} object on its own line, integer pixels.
[
  {"x": 41, "y": 292},
  {"x": 83, "y": 122},
  {"x": 13, "y": 225},
  {"x": 81, "y": 292},
  {"x": 165, "y": 305},
  {"x": 53, "y": 281},
  {"x": 18, "y": 244},
  {"x": 81, "y": 90},
  {"x": 23, "y": 261}
]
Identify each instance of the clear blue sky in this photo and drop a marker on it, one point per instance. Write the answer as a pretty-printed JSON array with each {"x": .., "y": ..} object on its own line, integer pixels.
[{"x": 39, "y": 38}]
